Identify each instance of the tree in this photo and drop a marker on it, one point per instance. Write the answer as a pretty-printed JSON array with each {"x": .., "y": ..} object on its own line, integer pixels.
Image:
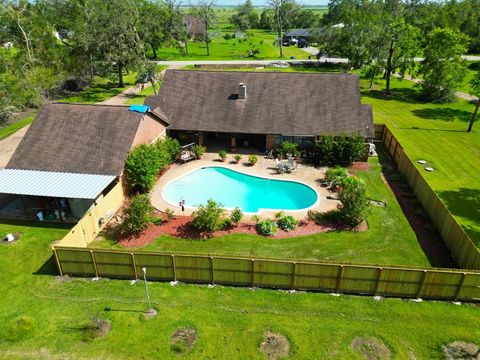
[
  {"x": 153, "y": 26},
  {"x": 205, "y": 13},
  {"x": 353, "y": 207},
  {"x": 282, "y": 11},
  {"x": 245, "y": 17},
  {"x": 475, "y": 90},
  {"x": 148, "y": 73},
  {"x": 265, "y": 19},
  {"x": 137, "y": 215},
  {"x": 118, "y": 44},
  {"x": 443, "y": 68},
  {"x": 177, "y": 26},
  {"x": 142, "y": 166}
]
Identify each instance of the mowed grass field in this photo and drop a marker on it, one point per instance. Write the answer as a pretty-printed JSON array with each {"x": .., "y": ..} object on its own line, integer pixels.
[
  {"x": 436, "y": 133},
  {"x": 42, "y": 316},
  {"x": 233, "y": 49},
  {"x": 389, "y": 240}
]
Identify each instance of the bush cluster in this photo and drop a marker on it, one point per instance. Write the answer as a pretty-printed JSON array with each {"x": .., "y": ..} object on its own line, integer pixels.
[
  {"x": 354, "y": 204},
  {"x": 209, "y": 217},
  {"x": 287, "y": 223},
  {"x": 252, "y": 159},
  {"x": 336, "y": 175},
  {"x": 138, "y": 215},
  {"x": 339, "y": 150},
  {"x": 145, "y": 162},
  {"x": 266, "y": 227},
  {"x": 288, "y": 148}
]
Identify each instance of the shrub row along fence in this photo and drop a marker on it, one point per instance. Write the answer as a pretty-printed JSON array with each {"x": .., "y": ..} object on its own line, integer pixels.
[
  {"x": 314, "y": 276},
  {"x": 461, "y": 246}
]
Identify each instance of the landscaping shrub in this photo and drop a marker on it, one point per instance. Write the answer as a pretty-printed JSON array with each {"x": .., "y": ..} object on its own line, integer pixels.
[
  {"x": 266, "y": 227},
  {"x": 170, "y": 213},
  {"x": 138, "y": 215},
  {"x": 339, "y": 150},
  {"x": 288, "y": 147},
  {"x": 236, "y": 215},
  {"x": 354, "y": 205},
  {"x": 156, "y": 220},
  {"x": 144, "y": 162},
  {"x": 142, "y": 166},
  {"x": 208, "y": 217},
  {"x": 199, "y": 150},
  {"x": 19, "y": 328},
  {"x": 222, "y": 154},
  {"x": 252, "y": 159},
  {"x": 227, "y": 223},
  {"x": 227, "y": 36},
  {"x": 287, "y": 223},
  {"x": 237, "y": 158},
  {"x": 336, "y": 175},
  {"x": 255, "y": 218},
  {"x": 253, "y": 52}
]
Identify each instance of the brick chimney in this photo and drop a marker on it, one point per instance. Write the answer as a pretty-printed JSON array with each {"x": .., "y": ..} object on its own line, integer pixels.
[{"x": 242, "y": 91}]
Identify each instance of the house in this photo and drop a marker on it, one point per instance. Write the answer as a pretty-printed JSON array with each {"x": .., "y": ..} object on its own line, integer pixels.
[
  {"x": 226, "y": 109},
  {"x": 71, "y": 156},
  {"x": 195, "y": 27},
  {"x": 295, "y": 34}
]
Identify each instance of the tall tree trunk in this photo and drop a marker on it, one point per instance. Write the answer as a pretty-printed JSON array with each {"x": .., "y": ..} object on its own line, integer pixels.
[
  {"x": 207, "y": 39},
  {"x": 389, "y": 69},
  {"x": 120, "y": 75},
  {"x": 280, "y": 41},
  {"x": 186, "y": 45},
  {"x": 153, "y": 86},
  {"x": 472, "y": 120},
  {"x": 154, "y": 52},
  {"x": 90, "y": 69}
]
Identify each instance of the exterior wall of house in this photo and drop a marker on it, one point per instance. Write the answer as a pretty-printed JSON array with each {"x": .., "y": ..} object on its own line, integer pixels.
[
  {"x": 149, "y": 130},
  {"x": 270, "y": 141},
  {"x": 95, "y": 218}
]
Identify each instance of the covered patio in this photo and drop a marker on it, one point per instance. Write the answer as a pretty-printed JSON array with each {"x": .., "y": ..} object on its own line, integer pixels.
[{"x": 49, "y": 196}]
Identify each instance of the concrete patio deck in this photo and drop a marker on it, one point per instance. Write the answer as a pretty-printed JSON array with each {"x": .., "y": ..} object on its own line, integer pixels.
[{"x": 305, "y": 173}]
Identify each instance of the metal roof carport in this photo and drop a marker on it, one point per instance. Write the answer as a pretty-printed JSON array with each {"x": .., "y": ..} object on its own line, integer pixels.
[{"x": 53, "y": 184}]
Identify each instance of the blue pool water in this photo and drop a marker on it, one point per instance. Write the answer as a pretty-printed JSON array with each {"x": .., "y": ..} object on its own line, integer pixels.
[{"x": 232, "y": 189}]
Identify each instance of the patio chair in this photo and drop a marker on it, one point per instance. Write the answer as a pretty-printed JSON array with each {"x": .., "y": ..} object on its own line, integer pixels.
[
  {"x": 291, "y": 165},
  {"x": 269, "y": 154},
  {"x": 280, "y": 167}
]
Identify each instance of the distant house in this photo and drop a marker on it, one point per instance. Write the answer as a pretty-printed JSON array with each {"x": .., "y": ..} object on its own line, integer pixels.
[
  {"x": 195, "y": 27},
  {"x": 300, "y": 34},
  {"x": 240, "y": 34},
  {"x": 71, "y": 155},
  {"x": 260, "y": 109}
]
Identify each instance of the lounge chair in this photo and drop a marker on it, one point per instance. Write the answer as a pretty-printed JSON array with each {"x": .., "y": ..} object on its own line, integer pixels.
[
  {"x": 186, "y": 156},
  {"x": 269, "y": 154}
]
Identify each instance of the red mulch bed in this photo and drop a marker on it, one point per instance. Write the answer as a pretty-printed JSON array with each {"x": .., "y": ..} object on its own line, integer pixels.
[
  {"x": 180, "y": 227},
  {"x": 359, "y": 166}
]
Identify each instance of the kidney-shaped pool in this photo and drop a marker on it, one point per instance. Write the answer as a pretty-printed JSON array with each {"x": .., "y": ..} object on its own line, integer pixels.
[{"x": 236, "y": 189}]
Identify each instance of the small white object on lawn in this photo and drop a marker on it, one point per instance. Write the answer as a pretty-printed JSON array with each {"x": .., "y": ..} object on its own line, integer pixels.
[
  {"x": 335, "y": 294},
  {"x": 95, "y": 279},
  {"x": 423, "y": 162},
  {"x": 9, "y": 237},
  {"x": 378, "y": 298},
  {"x": 429, "y": 169},
  {"x": 133, "y": 282},
  {"x": 457, "y": 303},
  {"x": 418, "y": 300},
  {"x": 174, "y": 283}
]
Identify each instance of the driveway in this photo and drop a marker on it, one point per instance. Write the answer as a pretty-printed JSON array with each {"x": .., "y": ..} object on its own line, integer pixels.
[{"x": 9, "y": 145}]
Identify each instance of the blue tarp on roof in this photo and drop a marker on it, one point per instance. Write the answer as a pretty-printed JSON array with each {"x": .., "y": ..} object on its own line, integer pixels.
[{"x": 139, "y": 108}]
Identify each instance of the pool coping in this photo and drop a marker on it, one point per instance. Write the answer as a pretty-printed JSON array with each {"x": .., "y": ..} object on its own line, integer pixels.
[
  {"x": 305, "y": 174},
  {"x": 260, "y": 210}
]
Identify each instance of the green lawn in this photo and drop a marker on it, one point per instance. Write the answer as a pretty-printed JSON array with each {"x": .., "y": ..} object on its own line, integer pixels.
[
  {"x": 389, "y": 240},
  {"x": 234, "y": 49},
  {"x": 436, "y": 133},
  {"x": 10, "y": 129},
  {"x": 100, "y": 90},
  {"x": 229, "y": 321}
]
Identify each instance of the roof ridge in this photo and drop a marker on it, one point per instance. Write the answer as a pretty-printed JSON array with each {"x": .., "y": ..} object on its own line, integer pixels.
[{"x": 263, "y": 72}]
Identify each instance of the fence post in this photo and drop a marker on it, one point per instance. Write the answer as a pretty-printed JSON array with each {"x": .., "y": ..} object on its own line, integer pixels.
[
  {"x": 212, "y": 268},
  {"x": 94, "y": 263},
  {"x": 379, "y": 276},
  {"x": 134, "y": 266},
  {"x": 460, "y": 286},
  {"x": 174, "y": 268},
  {"x": 59, "y": 265},
  {"x": 422, "y": 284},
  {"x": 339, "y": 278},
  {"x": 253, "y": 272},
  {"x": 294, "y": 274}
]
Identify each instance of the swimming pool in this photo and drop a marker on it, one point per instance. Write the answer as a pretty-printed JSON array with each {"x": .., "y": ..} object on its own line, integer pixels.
[{"x": 236, "y": 189}]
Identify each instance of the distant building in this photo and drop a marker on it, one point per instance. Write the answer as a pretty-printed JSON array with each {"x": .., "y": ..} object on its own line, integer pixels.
[
  {"x": 195, "y": 27},
  {"x": 240, "y": 34}
]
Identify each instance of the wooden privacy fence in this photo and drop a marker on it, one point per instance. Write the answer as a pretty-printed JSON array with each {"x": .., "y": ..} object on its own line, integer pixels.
[
  {"x": 461, "y": 246},
  {"x": 314, "y": 276}
]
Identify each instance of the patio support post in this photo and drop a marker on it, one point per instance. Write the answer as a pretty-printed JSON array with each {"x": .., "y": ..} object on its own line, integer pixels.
[
  {"x": 201, "y": 136},
  {"x": 233, "y": 142},
  {"x": 22, "y": 199}
]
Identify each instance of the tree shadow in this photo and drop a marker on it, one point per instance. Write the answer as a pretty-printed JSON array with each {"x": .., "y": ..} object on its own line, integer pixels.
[
  {"x": 405, "y": 95},
  {"x": 443, "y": 114}
]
